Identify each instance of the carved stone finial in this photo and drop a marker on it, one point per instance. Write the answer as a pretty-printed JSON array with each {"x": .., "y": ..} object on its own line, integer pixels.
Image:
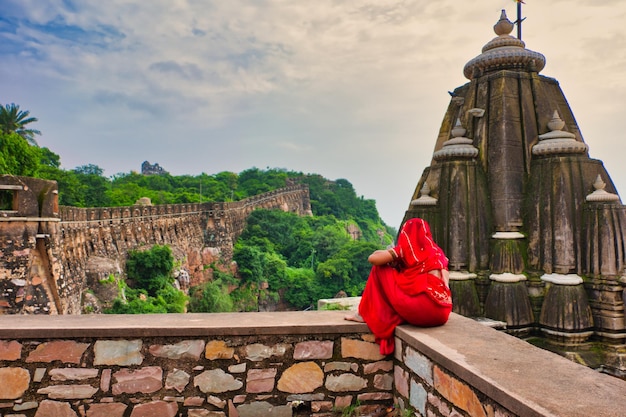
[
  {"x": 558, "y": 141},
  {"x": 556, "y": 123},
  {"x": 598, "y": 184},
  {"x": 458, "y": 130},
  {"x": 425, "y": 199},
  {"x": 600, "y": 194},
  {"x": 504, "y": 26},
  {"x": 458, "y": 146},
  {"x": 504, "y": 52}
]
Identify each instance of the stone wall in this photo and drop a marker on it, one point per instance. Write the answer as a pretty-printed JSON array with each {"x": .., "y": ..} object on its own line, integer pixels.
[
  {"x": 25, "y": 226},
  {"x": 214, "y": 372},
  {"x": 51, "y": 254},
  {"x": 283, "y": 364},
  {"x": 465, "y": 368}
]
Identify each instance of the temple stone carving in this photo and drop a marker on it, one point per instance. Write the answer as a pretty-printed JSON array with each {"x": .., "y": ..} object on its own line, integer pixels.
[{"x": 533, "y": 227}]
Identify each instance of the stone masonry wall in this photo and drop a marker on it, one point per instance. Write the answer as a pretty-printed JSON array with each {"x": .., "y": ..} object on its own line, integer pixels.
[
  {"x": 284, "y": 364},
  {"x": 212, "y": 376},
  {"x": 432, "y": 390},
  {"x": 25, "y": 227}
]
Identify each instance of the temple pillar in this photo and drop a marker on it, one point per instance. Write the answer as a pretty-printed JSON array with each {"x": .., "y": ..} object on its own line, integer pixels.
[
  {"x": 464, "y": 294},
  {"x": 566, "y": 317},
  {"x": 508, "y": 298}
]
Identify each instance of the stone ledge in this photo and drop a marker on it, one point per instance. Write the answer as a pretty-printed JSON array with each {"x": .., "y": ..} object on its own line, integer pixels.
[
  {"x": 527, "y": 380},
  {"x": 176, "y": 325}
]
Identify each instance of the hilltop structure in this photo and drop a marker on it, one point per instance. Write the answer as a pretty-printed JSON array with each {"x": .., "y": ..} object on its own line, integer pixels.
[
  {"x": 152, "y": 169},
  {"x": 533, "y": 227}
]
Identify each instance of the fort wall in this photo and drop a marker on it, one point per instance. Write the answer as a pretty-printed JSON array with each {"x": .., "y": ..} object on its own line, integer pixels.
[{"x": 51, "y": 254}]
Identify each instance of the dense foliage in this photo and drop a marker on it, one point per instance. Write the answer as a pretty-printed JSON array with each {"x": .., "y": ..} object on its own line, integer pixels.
[
  {"x": 150, "y": 286},
  {"x": 297, "y": 260}
]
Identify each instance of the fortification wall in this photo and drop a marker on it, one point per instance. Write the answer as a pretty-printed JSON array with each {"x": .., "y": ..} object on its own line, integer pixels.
[{"x": 51, "y": 254}]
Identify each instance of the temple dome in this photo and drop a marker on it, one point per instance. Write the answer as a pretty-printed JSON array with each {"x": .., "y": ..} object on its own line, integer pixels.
[{"x": 504, "y": 52}]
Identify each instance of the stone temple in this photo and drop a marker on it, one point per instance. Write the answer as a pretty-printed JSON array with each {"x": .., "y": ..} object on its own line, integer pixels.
[{"x": 533, "y": 227}]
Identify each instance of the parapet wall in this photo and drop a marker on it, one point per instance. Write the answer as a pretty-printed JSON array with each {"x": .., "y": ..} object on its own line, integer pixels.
[{"x": 283, "y": 364}]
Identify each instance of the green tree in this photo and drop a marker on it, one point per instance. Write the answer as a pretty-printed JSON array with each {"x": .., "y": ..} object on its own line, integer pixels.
[
  {"x": 347, "y": 269},
  {"x": 70, "y": 188},
  {"x": 93, "y": 185},
  {"x": 49, "y": 158},
  {"x": 151, "y": 269},
  {"x": 17, "y": 157},
  {"x": 250, "y": 262},
  {"x": 14, "y": 120},
  {"x": 302, "y": 290},
  {"x": 89, "y": 169}
]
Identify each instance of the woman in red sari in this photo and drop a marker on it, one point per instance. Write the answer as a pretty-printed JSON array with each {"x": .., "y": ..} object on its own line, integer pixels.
[{"x": 407, "y": 284}]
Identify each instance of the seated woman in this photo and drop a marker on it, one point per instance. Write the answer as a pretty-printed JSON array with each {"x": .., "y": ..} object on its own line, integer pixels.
[{"x": 407, "y": 284}]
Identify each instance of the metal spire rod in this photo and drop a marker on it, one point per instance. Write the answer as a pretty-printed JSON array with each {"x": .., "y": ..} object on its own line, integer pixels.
[{"x": 519, "y": 20}]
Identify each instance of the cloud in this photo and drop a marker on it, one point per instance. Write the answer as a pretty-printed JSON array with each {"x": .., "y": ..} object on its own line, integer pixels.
[
  {"x": 348, "y": 89},
  {"x": 186, "y": 71}
]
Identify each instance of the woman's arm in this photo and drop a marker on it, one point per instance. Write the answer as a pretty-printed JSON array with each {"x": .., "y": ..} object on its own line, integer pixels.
[
  {"x": 381, "y": 257},
  {"x": 445, "y": 275}
]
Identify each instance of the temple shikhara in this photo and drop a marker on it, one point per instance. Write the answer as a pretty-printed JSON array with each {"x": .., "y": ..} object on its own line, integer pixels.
[{"x": 532, "y": 226}]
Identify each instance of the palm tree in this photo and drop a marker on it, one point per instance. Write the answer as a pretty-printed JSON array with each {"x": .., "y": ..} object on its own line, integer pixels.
[{"x": 13, "y": 120}]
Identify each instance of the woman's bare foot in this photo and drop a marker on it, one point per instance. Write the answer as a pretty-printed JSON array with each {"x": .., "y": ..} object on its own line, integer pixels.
[{"x": 355, "y": 317}]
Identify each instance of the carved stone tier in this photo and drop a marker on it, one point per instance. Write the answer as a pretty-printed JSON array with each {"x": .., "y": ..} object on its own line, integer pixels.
[
  {"x": 507, "y": 261},
  {"x": 465, "y": 297},
  {"x": 461, "y": 275},
  {"x": 557, "y": 230},
  {"x": 507, "y": 277},
  {"x": 464, "y": 235},
  {"x": 604, "y": 246},
  {"x": 606, "y": 299}
]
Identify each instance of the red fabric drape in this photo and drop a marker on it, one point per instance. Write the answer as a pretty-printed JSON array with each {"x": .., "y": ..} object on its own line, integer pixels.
[{"x": 407, "y": 293}]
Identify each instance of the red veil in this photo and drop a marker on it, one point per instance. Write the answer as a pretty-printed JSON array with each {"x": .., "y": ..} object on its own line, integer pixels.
[{"x": 406, "y": 292}]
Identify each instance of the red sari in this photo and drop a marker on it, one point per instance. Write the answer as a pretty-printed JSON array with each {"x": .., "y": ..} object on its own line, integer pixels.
[{"x": 407, "y": 292}]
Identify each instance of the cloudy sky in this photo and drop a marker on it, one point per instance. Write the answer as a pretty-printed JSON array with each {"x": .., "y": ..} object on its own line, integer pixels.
[{"x": 353, "y": 89}]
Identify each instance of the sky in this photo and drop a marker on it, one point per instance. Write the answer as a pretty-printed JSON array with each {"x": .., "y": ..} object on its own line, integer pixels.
[{"x": 353, "y": 89}]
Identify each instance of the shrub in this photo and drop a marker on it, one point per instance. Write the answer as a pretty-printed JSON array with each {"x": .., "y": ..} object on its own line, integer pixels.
[
  {"x": 151, "y": 269},
  {"x": 211, "y": 297}
]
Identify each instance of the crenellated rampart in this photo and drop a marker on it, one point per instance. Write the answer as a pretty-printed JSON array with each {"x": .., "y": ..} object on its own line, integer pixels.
[{"x": 52, "y": 254}]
